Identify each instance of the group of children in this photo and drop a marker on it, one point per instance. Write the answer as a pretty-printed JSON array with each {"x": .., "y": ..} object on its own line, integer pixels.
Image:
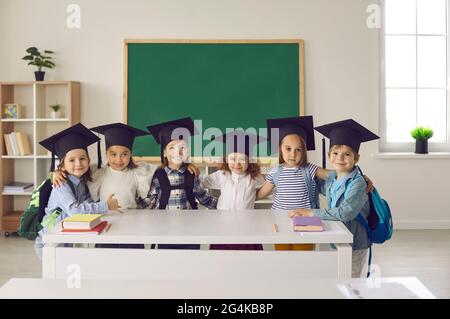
[{"x": 175, "y": 185}]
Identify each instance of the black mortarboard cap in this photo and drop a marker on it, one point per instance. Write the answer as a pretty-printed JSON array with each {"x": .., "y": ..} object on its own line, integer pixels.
[
  {"x": 300, "y": 125},
  {"x": 74, "y": 137},
  {"x": 238, "y": 141},
  {"x": 347, "y": 132},
  {"x": 165, "y": 132},
  {"x": 118, "y": 134}
]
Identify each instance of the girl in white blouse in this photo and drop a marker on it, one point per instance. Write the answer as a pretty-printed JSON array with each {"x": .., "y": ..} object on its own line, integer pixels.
[{"x": 238, "y": 180}]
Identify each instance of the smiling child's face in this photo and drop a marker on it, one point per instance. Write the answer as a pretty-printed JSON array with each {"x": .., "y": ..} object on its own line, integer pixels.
[
  {"x": 118, "y": 157},
  {"x": 237, "y": 163},
  {"x": 76, "y": 162},
  {"x": 176, "y": 152},
  {"x": 343, "y": 158}
]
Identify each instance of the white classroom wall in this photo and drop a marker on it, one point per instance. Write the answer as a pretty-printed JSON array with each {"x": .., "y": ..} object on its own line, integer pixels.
[{"x": 342, "y": 62}]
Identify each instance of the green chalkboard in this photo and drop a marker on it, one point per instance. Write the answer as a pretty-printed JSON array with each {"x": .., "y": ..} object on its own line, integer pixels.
[{"x": 225, "y": 84}]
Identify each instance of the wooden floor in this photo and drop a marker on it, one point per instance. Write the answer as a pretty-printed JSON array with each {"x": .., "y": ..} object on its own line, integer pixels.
[{"x": 424, "y": 254}]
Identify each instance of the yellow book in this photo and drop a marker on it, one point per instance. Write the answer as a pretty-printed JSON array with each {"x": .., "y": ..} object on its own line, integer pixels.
[{"x": 82, "y": 221}]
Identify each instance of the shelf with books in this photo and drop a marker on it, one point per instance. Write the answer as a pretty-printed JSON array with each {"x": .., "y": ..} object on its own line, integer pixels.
[{"x": 36, "y": 123}]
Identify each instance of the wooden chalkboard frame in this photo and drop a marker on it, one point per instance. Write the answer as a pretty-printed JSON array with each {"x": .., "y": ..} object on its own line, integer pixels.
[{"x": 301, "y": 64}]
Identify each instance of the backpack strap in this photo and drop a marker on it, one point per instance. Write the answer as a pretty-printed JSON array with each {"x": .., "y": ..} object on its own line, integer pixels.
[
  {"x": 276, "y": 175},
  {"x": 164, "y": 184},
  {"x": 313, "y": 198},
  {"x": 189, "y": 180}
]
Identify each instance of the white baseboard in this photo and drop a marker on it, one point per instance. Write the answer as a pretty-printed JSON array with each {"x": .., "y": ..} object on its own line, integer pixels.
[{"x": 422, "y": 224}]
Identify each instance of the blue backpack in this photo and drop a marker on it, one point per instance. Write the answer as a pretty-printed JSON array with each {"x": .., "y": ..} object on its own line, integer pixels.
[{"x": 379, "y": 223}]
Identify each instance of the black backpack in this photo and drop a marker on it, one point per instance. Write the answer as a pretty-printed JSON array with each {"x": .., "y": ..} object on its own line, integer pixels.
[{"x": 30, "y": 221}]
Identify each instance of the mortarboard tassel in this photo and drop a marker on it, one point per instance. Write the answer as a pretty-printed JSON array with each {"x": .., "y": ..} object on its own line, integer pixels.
[
  {"x": 99, "y": 155},
  {"x": 52, "y": 165},
  {"x": 324, "y": 158}
]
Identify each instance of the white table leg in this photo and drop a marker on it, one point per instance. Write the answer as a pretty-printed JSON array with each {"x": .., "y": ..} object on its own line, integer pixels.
[
  {"x": 49, "y": 261},
  {"x": 344, "y": 261}
]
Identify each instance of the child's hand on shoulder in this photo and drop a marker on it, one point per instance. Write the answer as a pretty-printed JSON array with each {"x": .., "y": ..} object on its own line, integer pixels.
[
  {"x": 113, "y": 203},
  {"x": 58, "y": 178},
  {"x": 301, "y": 212},
  {"x": 193, "y": 169}
]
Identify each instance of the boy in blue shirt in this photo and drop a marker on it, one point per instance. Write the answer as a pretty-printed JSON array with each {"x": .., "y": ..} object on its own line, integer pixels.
[{"x": 346, "y": 188}]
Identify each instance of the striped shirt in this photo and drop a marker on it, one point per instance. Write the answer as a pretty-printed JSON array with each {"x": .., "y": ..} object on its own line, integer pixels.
[
  {"x": 178, "y": 198},
  {"x": 291, "y": 191}
]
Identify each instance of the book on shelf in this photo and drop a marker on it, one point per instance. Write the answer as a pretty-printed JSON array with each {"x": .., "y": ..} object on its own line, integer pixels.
[
  {"x": 307, "y": 224},
  {"x": 24, "y": 143},
  {"x": 17, "y": 144},
  {"x": 94, "y": 231},
  {"x": 18, "y": 187},
  {"x": 8, "y": 148},
  {"x": 14, "y": 145},
  {"x": 81, "y": 221}
]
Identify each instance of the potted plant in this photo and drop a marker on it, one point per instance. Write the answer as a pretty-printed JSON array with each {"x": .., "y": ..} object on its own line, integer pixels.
[
  {"x": 421, "y": 135},
  {"x": 55, "y": 114},
  {"x": 40, "y": 60}
]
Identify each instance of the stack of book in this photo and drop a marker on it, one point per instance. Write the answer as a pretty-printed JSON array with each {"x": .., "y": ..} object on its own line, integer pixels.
[
  {"x": 307, "y": 224},
  {"x": 18, "y": 187},
  {"x": 17, "y": 144},
  {"x": 83, "y": 224}
]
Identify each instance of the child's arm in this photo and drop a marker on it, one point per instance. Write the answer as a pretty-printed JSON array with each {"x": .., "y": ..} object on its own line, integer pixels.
[
  {"x": 96, "y": 184},
  {"x": 265, "y": 190},
  {"x": 151, "y": 200},
  {"x": 68, "y": 203},
  {"x": 211, "y": 181},
  {"x": 143, "y": 175},
  {"x": 203, "y": 196},
  {"x": 193, "y": 169},
  {"x": 347, "y": 210},
  {"x": 324, "y": 174},
  {"x": 268, "y": 185}
]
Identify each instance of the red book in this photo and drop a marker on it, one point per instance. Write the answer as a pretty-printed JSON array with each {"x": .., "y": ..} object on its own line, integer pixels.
[{"x": 94, "y": 231}]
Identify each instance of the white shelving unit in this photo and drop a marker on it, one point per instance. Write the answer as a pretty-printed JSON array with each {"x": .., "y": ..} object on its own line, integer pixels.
[{"x": 34, "y": 99}]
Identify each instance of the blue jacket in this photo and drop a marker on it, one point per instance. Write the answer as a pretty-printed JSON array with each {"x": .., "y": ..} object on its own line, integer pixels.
[{"x": 351, "y": 199}]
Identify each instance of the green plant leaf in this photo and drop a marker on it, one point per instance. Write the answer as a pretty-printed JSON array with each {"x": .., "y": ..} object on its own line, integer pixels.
[
  {"x": 48, "y": 51},
  {"x": 28, "y": 57},
  {"x": 32, "y": 50}
]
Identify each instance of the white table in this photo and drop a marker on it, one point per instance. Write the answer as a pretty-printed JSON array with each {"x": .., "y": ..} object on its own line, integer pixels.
[
  {"x": 300, "y": 288},
  {"x": 199, "y": 227}
]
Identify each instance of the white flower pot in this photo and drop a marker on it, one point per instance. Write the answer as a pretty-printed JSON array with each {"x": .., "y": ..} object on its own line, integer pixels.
[{"x": 55, "y": 115}]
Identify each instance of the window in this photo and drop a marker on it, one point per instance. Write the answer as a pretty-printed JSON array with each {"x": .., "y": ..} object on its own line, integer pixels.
[{"x": 414, "y": 73}]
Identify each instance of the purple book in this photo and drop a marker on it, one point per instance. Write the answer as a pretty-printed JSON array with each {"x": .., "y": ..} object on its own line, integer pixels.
[{"x": 307, "y": 223}]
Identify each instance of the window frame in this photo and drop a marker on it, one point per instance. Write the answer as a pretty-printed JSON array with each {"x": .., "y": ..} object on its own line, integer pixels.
[{"x": 384, "y": 145}]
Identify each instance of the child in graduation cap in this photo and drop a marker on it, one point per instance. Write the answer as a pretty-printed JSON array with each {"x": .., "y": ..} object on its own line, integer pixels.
[
  {"x": 294, "y": 179},
  {"x": 173, "y": 187},
  {"x": 73, "y": 197},
  {"x": 238, "y": 179},
  {"x": 346, "y": 190},
  {"x": 129, "y": 181},
  {"x": 121, "y": 176}
]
